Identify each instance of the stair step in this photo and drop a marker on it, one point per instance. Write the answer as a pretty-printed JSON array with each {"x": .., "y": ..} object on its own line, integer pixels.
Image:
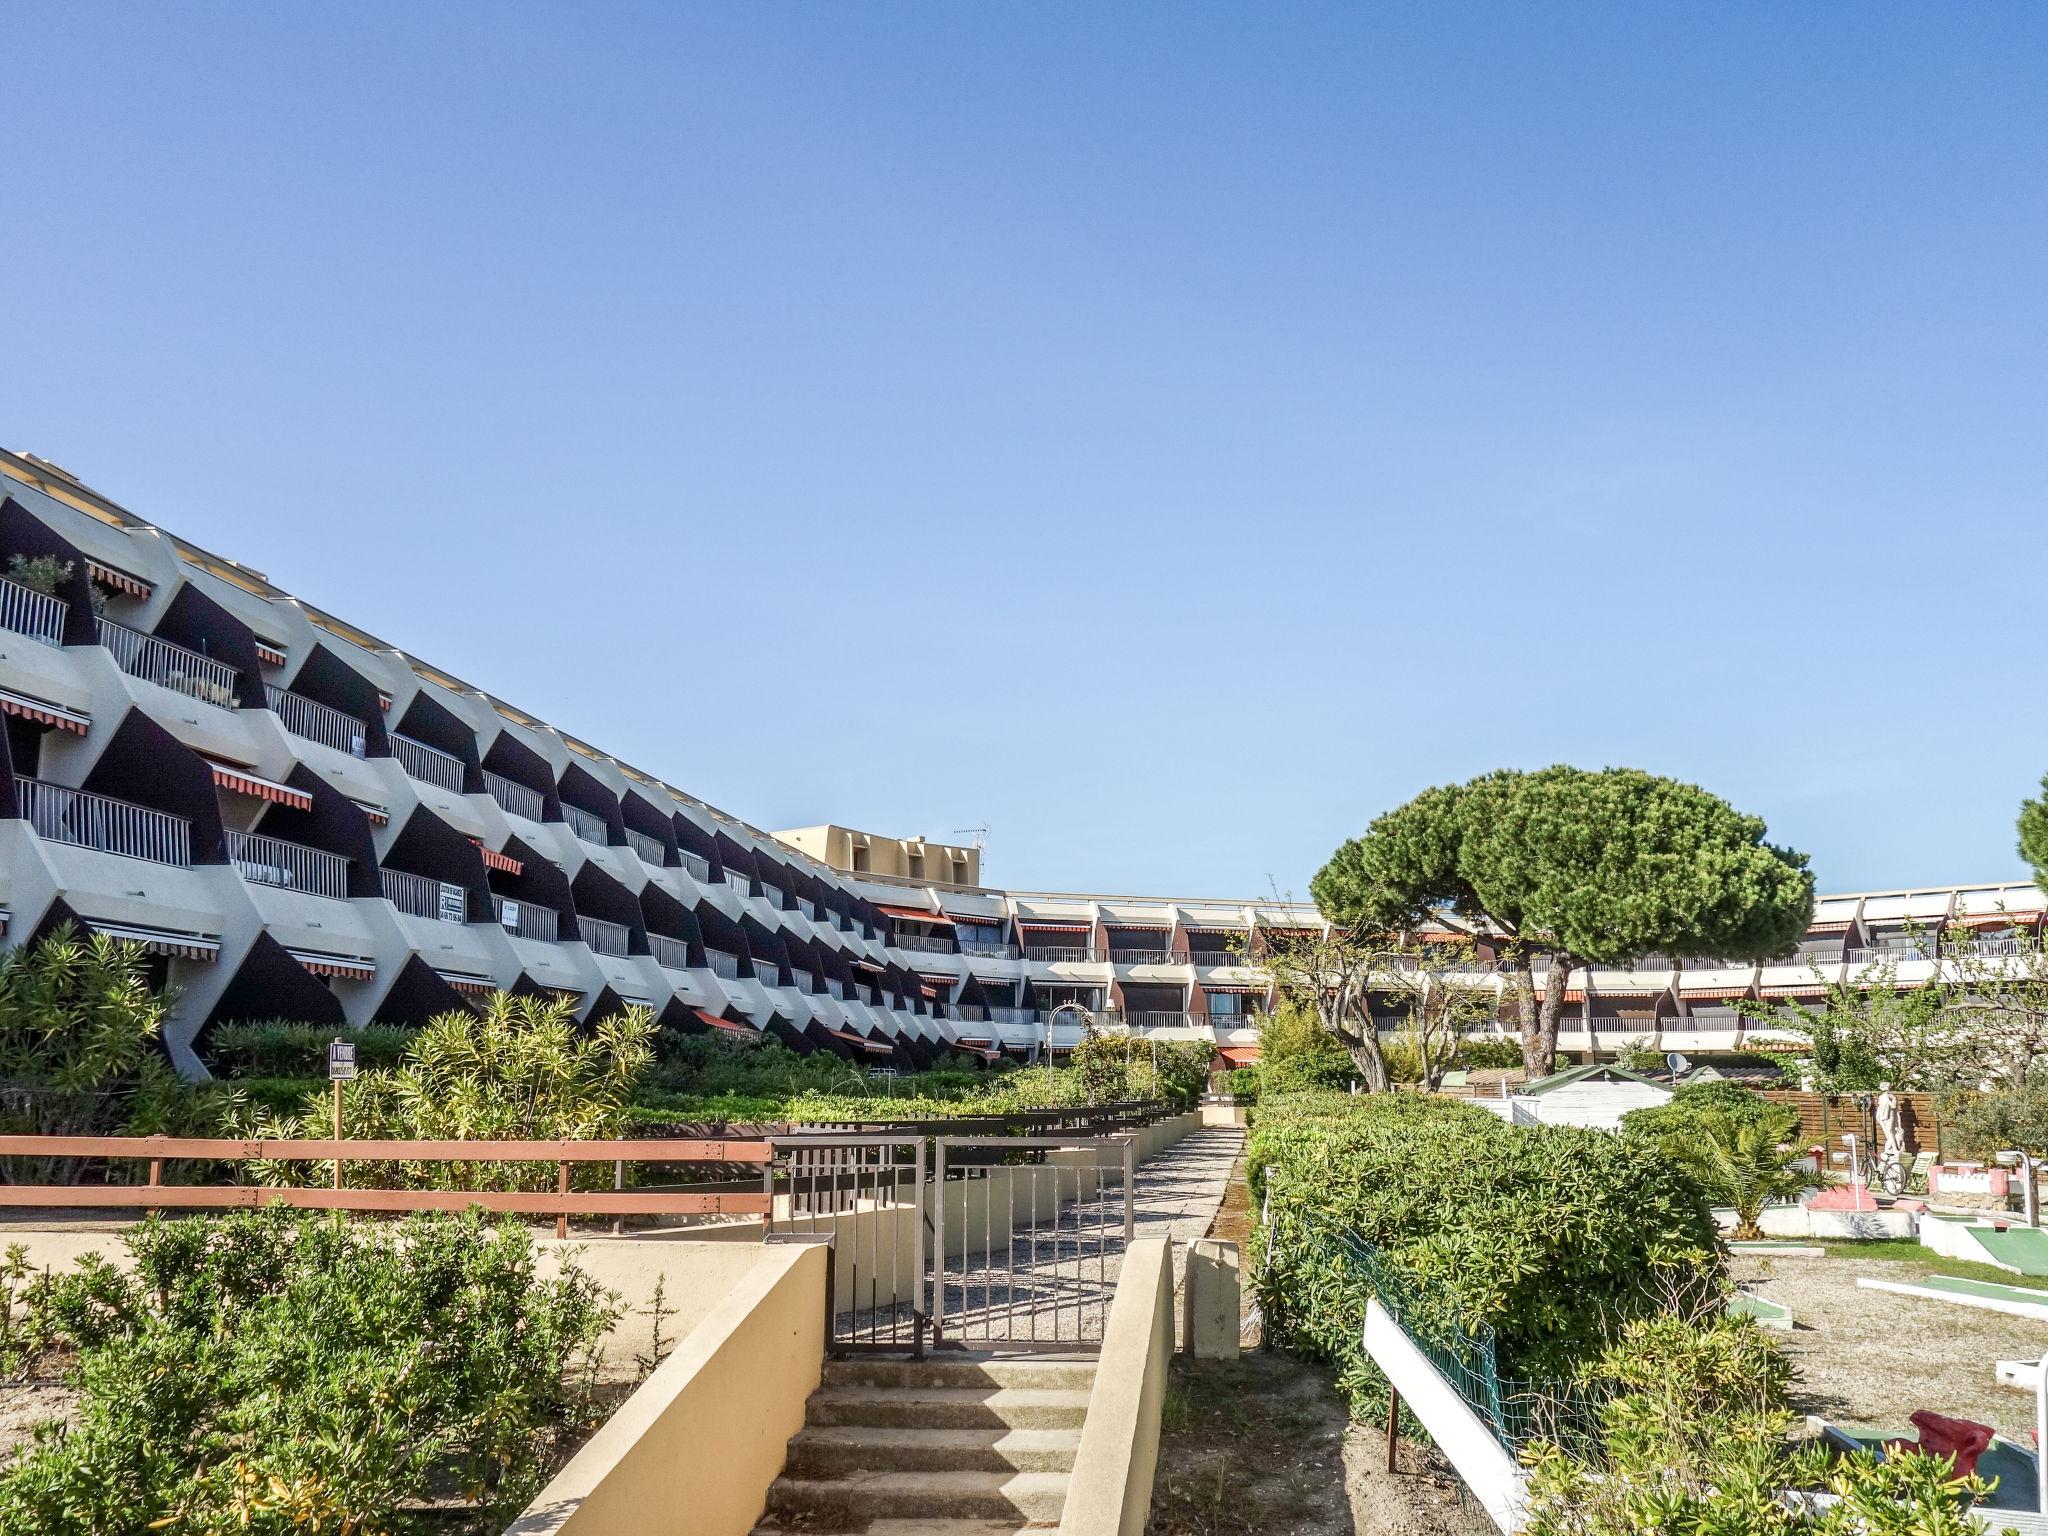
[
  {"x": 837, "y": 1449},
  {"x": 961, "y": 1495},
  {"x": 951, "y": 1407},
  {"x": 962, "y": 1371}
]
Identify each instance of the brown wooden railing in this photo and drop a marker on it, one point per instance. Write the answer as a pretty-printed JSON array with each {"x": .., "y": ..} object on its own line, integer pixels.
[{"x": 561, "y": 1203}]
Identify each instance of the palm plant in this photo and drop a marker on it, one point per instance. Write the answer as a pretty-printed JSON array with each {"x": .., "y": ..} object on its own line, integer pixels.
[{"x": 1739, "y": 1161}]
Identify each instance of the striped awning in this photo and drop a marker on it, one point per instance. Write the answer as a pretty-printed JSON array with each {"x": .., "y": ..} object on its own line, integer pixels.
[
  {"x": 273, "y": 655},
  {"x": 1702, "y": 994},
  {"x": 877, "y": 1047},
  {"x": 497, "y": 860},
  {"x": 1828, "y": 928},
  {"x": 341, "y": 967},
  {"x": 2018, "y": 917},
  {"x": 1239, "y": 1055},
  {"x": 376, "y": 813},
  {"x": 705, "y": 1016},
  {"x": 1233, "y": 991},
  {"x": 473, "y": 986},
  {"x": 1796, "y": 989},
  {"x": 243, "y": 782},
  {"x": 43, "y": 713},
  {"x": 158, "y": 941},
  {"x": 113, "y": 576},
  {"x": 916, "y": 915},
  {"x": 1038, "y": 927},
  {"x": 383, "y": 701}
]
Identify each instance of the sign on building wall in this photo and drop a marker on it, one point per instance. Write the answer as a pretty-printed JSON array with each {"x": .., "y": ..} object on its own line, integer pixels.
[{"x": 454, "y": 903}]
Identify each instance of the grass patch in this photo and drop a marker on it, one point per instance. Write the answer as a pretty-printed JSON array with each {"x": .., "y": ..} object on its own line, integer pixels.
[{"x": 1906, "y": 1251}]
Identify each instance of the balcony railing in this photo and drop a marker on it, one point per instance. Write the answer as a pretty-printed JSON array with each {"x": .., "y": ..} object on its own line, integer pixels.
[
  {"x": 1876, "y": 952},
  {"x": 1146, "y": 956},
  {"x": 650, "y": 850},
  {"x": 800, "y": 979},
  {"x": 767, "y": 973},
  {"x": 29, "y": 612},
  {"x": 430, "y": 765},
  {"x": 61, "y": 814},
  {"x": 591, "y": 829},
  {"x": 670, "y": 954},
  {"x": 723, "y": 964},
  {"x": 422, "y": 897},
  {"x": 527, "y": 920},
  {"x": 1001, "y": 1015},
  {"x": 1209, "y": 958},
  {"x": 772, "y": 894},
  {"x": 514, "y": 798},
  {"x": 698, "y": 866},
  {"x": 289, "y": 866},
  {"x": 986, "y": 951},
  {"x": 1155, "y": 1018},
  {"x": 604, "y": 937},
  {"x": 1063, "y": 954},
  {"x": 172, "y": 666},
  {"x": 924, "y": 943},
  {"x": 315, "y": 721},
  {"x": 808, "y": 907}
]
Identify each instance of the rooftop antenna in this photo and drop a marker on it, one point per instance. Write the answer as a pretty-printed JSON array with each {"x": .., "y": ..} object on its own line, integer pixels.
[{"x": 980, "y": 835}]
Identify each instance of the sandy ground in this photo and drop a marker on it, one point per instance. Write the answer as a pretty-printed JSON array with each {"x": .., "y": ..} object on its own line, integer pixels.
[{"x": 1871, "y": 1357}]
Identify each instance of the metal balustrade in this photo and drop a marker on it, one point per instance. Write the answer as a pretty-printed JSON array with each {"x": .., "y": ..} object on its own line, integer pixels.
[
  {"x": 698, "y": 866},
  {"x": 723, "y": 964},
  {"x": 1156, "y": 1018},
  {"x": 923, "y": 943},
  {"x": 651, "y": 850},
  {"x": 1211, "y": 958},
  {"x": 331, "y": 727},
  {"x": 430, "y": 765},
  {"x": 1146, "y": 956},
  {"x": 528, "y": 921},
  {"x": 172, "y": 666},
  {"x": 605, "y": 937},
  {"x": 808, "y": 907},
  {"x": 670, "y": 954},
  {"x": 800, "y": 979},
  {"x": 768, "y": 973},
  {"x": 289, "y": 866},
  {"x": 1063, "y": 954},
  {"x": 514, "y": 798},
  {"x": 988, "y": 951},
  {"x": 61, "y": 814},
  {"x": 423, "y": 897},
  {"x": 589, "y": 828},
  {"x": 772, "y": 894},
  {"x": 1003, "y": 1015},
  {"x": 29, "y": 612}
]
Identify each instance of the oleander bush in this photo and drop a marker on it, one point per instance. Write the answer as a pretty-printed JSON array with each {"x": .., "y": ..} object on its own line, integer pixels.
[
  {"x": 277, "y": 1372},
  {"x": 1551, "y": 1236},
  {"x": 1121, "y": 1068}
]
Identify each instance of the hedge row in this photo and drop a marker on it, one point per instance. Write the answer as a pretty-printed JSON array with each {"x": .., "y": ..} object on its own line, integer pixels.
[{"x": 1549, "y": 1235}]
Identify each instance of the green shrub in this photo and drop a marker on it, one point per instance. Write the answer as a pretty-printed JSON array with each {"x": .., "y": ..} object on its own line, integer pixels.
[
  {"x": 1123, "y": 1068},
  {"x": 1297, "y": 1055},
  {"x": 1244, "y": 1085},
  {"x": 280, "y": 1048},
  {"x": 1551, "y": 1236},
  {"x": 277, "y": 1372},
  {"x": 1479, "y": 1055}
]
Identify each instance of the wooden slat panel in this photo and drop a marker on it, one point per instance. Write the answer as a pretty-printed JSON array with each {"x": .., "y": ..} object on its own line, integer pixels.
[
  {"x": 252, "y": 1196},
  {"x": 679, "y": 1151}
]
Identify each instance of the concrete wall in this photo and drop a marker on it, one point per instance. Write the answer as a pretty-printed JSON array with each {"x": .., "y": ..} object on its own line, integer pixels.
[
  {"x": 1111, "y": 1491},
  {"x": 693, "y": 1451}
]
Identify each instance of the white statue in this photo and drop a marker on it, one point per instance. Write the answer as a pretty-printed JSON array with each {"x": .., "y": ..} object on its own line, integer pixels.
[{"x": 1891, "y": 1128}]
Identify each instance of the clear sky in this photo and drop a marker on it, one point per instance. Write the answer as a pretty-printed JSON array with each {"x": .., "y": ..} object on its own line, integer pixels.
[{"x": 1166, "y": 435}]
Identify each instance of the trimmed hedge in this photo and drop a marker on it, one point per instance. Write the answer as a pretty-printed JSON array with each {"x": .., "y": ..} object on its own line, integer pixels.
[
  {"x": 1550, "y": 1235},
  {"x": 277, "y": 1048}
]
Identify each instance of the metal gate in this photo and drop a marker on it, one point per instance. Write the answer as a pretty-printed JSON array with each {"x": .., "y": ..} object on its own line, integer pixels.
[
  {"x": 867, "y": 1194},
  {"x": 1028, "y": 1233}
]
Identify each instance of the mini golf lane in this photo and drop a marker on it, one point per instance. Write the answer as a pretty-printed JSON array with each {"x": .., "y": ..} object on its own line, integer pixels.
[
  {"x": 2016, "y": 1301},
  {"x": 2021, "y": 1249}
]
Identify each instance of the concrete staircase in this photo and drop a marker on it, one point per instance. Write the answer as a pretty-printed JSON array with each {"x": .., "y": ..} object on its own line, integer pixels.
[{"x": 956, "y": 1445}]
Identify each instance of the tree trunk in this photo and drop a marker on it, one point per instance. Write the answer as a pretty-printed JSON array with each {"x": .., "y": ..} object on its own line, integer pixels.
[
  {"x": 1553, "y": 1008},
  {"x": 1527, "y": 1019},
  {"x": 1367, "y": 1057}
]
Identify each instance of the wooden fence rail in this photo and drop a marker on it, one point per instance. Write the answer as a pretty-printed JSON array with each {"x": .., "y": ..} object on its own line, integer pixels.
[{"x": 562, "y": 1203}]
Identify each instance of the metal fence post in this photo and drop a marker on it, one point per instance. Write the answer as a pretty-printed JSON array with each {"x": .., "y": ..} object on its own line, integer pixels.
[
  {"x": 1130, "y": 1198},
  {"x": 920, "y": 1311},
  {"x": 939, "y": 1246}
]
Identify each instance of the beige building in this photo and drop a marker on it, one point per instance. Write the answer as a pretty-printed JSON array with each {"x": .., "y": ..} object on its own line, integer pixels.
[{"x": 900, "y": 858}]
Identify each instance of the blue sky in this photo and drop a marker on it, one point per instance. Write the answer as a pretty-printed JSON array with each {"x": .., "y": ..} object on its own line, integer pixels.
[{"x": 1167, "y": 436}]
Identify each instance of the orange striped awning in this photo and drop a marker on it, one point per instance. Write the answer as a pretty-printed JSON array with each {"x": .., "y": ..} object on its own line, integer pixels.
[
  {"x": 383, "y": 701},
  {"x": 876, "y": 1046},
  {"x": 273, "y": 655},
  {"x": 1239, "y": 1055},
  {"x": 376, "y": 813},
  {"x": 243, "y": 782},
  {"x": 497, "y": 860},
  {"x": 341, "y": 967},
  {"x": 113, "y": 576},
  {"x": 705, "y": 1016},
  {"x": 473, "y": 986},
  {"x": 1795, "y": 989},
  {"x": 1038, "y": 927},
  {"x": 75, "y": 721},
  {"x": 916, "y": 915},
  {"x": 158, "y": 941}
]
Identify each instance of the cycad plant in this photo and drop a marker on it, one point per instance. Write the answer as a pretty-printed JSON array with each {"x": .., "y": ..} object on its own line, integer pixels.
[{"x": 1739, "y": 1161}]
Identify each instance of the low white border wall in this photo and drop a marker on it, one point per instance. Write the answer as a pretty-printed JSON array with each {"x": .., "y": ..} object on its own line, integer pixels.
[
  {"x": 1492, "y": 1475},
  {"x": 1111, "y": 1490}
]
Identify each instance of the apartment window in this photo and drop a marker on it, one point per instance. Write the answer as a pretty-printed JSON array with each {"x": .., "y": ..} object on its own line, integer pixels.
[{"x": 860, "y": 861}]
